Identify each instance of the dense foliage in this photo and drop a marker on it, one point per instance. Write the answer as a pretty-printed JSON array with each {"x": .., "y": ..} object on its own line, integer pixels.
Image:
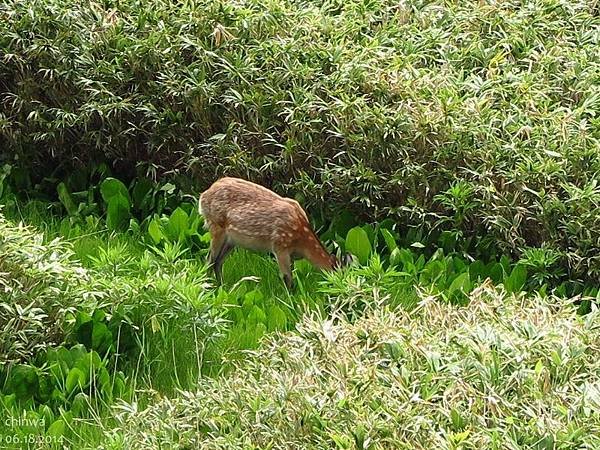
[
  {"x": 504, "y": 373},
  {"x": 457, "y": 143},
  {"x": 91, "y": 317},
  {"x": 76, "y": 317},
  {"x": 40, "y": 285},
  {"x": 476, "y": 117}
]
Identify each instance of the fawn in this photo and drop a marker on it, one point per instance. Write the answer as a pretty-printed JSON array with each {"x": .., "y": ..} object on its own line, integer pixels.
[{"x": 242, "y": 213}]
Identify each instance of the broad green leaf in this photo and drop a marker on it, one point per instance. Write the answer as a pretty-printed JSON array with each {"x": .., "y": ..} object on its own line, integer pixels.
[
  {"x": 387, "y": 224},
  {"x": 141, "y": 192},
  {"x": 99, "y": 315},
  {"x": 259, "y": 331},
  {"x": 80, "y": 404},
  {"x": 178, "y": 224},
  {"x": 9, "y": 401},
  {"x": 459, "y": 264},
  {"x": 64, "y": 357},
  {"x": 461, "y": 284},
  {"x": 95, "y": 360},
  {"x": 103, "y": 376},
  {"x": 357, "y": 243},
  {"x": 57, "y": 429},
  {"x": 515, "y": 282},
  {"x": 111, "y": 187},
  {"x": 58, "y": 396},
  {"x": 65, "y": 198},
  {"x": 477, "y": 271},
  {"x": 76, "y": 378},
  {"x": 117, "y": 215},
  {"x": 45, "y": 387},
  {"x": 101, "y": 336},
  {"x": 438, "y": 254},
  {"x": 497, "y": 273},
  {"x": 46, "y": 413},
  {"x": 539, "y": 366},
  {"x": 388, "y": 237},
  {"x": 406, "y": 257},
  {"x": 155, "y": 231},
  {"x": 432, "y": 272},
  {"x": 371, "y": 233},
  {"x": 78, "y": 352},
  {"x": 448, "y": 240}
]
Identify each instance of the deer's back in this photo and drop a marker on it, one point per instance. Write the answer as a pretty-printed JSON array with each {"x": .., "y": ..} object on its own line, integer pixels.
[{"x": 254, "y": 215}]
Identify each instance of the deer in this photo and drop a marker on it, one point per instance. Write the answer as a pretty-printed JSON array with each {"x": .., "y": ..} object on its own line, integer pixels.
[{"x": 240, "y": 213}]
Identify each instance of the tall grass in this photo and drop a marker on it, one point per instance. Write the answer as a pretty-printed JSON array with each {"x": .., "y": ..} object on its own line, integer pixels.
[
  {"x": 507, "y": 372},
  {"x": 170, "y": 330}
]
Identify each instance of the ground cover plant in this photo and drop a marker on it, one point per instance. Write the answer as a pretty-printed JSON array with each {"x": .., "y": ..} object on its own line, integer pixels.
[
  {"x": 508, "y": 372},
  {"x": 451, "y": 147},
  {"x": 152, "y": 322}
]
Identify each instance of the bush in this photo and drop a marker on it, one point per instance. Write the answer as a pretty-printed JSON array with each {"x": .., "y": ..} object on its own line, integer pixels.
[
  {"x": 471, "y": 115},
  {"x": 506, "y": 372},
  {"x": 40, "y": 286}
]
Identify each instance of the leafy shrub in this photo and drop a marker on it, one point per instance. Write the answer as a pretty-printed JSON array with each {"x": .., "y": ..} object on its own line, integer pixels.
[
  {"x": 58, "y": 376},
  {"x": 40, "y": 286},
  {"x": 504, "y": 373},
  {"x": 450, "y": 276},
  {"x": 60, "y": 385},
  {"x": 183, "y": 226},
  {"x": 435, "y": 113}
]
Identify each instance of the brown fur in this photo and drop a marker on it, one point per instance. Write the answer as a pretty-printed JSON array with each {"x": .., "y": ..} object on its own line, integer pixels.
[{"x": 242, "y": 213}]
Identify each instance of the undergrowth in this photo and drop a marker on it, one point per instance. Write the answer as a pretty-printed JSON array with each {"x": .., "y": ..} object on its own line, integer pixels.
[
  {"x": 140, "y": 320},
  {"x": 507, "y": 372},
  {"x": 450, "y": 146}
]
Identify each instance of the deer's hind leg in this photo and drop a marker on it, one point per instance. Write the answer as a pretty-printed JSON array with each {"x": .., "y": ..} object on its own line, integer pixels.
[
  {"x": 226, "y": 249},
  {"x": 220, "y": 247}
]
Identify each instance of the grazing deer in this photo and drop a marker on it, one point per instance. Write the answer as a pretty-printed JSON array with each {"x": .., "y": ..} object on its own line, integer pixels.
[{"x": 238, "y": 212}]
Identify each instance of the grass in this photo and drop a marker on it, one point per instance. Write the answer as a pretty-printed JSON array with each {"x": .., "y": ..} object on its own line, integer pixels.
[
  {"x": 162, "y": 294},
  {"x": 469, "y": 128},
  {"x": 352, "y": 359},
  {"x": 170, "y": 327},
  {"x": 506, "y": 372}
]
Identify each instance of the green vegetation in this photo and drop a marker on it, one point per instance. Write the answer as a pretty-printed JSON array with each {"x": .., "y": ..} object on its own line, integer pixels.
[
  {"x": 451, "y": 147},
  {"x": 504, "y": 373},
  {"x": 478, "y": 118},
  {"x": 134, "y": 317}
]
